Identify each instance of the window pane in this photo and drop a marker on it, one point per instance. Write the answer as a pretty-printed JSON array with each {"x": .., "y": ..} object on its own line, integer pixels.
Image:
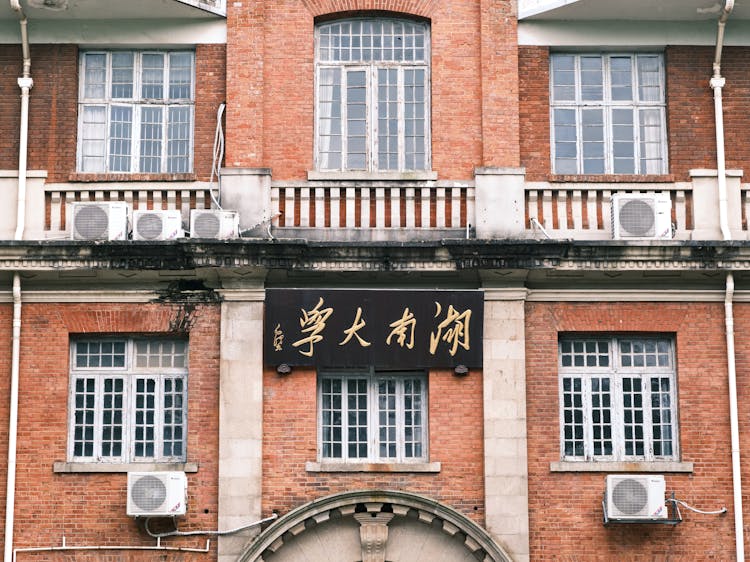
[
  {"x": 592, "y": 79},
  {"x": 94, "y": 75},
  {"x": 145, "y": 418},
  {"x": 601, "y": 416},
  {"x": 632, "y": 400},
  {"x": 388, "y": 119},
  {"x": 151, "y": 139},
  {"x": 413, "y": 418},
  {"x": 387, "y": 418},
  {"x": 356, "y": 123},
  {"x": 178, "y": 140},
  {"x": 112, "y": 417},
  {"x": 172, "y": 423},
  {"x": 120, "y": 138},
  {"x": 592, "y": 132},
  {"x": 152, "y": 76},
  {"x": 649, "y": 122},
  {"x": 649, "y": 78},
  {"x": 661, "y": 416},
  {"x": 122, "y": 75},
  {"x": 93, "y": 138},
  {"x": 621, "y": 78},
  {"x": 414, "y": 115},
  {"x": 84, "y": 416},
  {"x": 566, "y": 144},
  {"x": 329, "y": 118},
  {"x": 563, "y": 78},
  {"x": 180, "y": 76},
  {"x": 331, "y": 400},
  {"x": 623, "y": 141},
  {"x": 573, "y": 429}
]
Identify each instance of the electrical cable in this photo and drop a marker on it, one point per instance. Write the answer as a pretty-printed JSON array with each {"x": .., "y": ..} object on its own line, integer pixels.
[
  {"x": 691, "y": 508},
  {"x": 218, "y": 156},
  {"x": 177, "y": 533}
]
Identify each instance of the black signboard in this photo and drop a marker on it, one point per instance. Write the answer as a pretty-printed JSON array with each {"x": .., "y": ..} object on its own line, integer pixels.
[{"x": 380, "y": 328}]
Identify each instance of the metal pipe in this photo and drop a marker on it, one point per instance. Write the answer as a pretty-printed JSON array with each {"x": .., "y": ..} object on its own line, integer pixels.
[
  {"x": 734, "y": 420},
  {"x": 157, "y": 547},
  {"x": 25, "y": 83},
  {"x": 717, "y": 84}
]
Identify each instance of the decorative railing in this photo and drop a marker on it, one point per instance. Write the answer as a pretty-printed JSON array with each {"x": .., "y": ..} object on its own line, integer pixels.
[
  {"x": 436, "y": 206},
  {"x": 56, "y": 201},
  {"x": 583, "y": 211}
]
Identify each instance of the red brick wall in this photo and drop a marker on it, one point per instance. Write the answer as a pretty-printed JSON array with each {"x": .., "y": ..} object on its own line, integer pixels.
[
  {"x": 53, "y": 110},
  {"x": 533, "y": 107},
  {"x": 270, "y": 123},
  {"x": 290, "y": 440},
  {"x": 565, "y": 508},
  {"x": 89, "y": 509}
]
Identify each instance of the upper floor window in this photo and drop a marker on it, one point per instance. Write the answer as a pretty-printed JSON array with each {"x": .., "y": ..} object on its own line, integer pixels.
[
  {"x": 135, "y": 112},
  {"x": 128, "y": 400},
  {"x": 608, "y": 114},
  {"x": 372, "y": 110},
  {"x": 618, "y": 399},
  {"x": 373, "y": 416}
]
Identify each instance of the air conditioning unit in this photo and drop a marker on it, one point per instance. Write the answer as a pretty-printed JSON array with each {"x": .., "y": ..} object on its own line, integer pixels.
[
  {"x": 641, "y": 216},
  {"x": 157, "y": 494},
  {"x": 157, "y": 225},
  {"x": 100, "y": 221},
  {"x": 631, "y": 497},
  {"x": 214, "y": 224}
]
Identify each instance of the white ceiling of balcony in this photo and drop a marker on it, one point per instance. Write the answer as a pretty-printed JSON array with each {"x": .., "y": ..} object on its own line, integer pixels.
[
  {"x": 115, "y": 9},
  {"x": 641, "y": 10}
]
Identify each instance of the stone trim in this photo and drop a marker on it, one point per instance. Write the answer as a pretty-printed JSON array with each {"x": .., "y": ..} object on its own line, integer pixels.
[
  {"x": 62, "y": 467},
  {"x": 372, "y": 467},
  {"x": 659, "y": 466},
  {"x": 430, "y": 512}
]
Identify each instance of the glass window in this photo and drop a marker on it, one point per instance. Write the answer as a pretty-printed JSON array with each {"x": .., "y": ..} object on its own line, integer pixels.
[
  {"x": 618, "y": 399},
  {"x": 128, "y": 400},
  {"x": 136, "y": 112},
  {"x": 373, "y": 416},
  {"x": 372, "y": 95},
  {"x": 608, "y": 114}
]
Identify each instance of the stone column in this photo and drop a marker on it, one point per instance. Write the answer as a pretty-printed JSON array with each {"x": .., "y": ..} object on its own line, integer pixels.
[
  {"x": 240, "y": 416},
  {"x": 248, "y": 191},
  {"x": 506, "y": 467},
  {"x": 706, "y": 224},
  {"x": 499, "y": 203}
]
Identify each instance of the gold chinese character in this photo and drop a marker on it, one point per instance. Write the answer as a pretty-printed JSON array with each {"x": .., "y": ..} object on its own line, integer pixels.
[
  {"x": 456, "y": 326},
  {"x": 400, "y": 328},
  {"x": 278, "y": 338},
  {"x": 355, "y": 327},
  {"x": 313, "y": 323}
]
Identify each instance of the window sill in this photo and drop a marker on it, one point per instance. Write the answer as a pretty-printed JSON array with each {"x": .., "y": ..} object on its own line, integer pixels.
[
  {"x": 612, "y": 178},
  {"x": 71, "y": 467},
  {"x": 615, "y": 466},
  {"x": 86, "y": 177},
  {"x": 372, "y": 467},
  {"x": 422, "y": 175}
]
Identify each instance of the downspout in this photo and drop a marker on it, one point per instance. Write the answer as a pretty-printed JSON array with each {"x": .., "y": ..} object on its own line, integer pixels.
[
  {"x": 717, "y": 83},
  {"x": 25, "y": 83}
]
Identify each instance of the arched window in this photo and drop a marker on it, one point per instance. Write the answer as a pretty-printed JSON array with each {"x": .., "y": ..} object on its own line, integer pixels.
[{"x": 372, "y": 99}]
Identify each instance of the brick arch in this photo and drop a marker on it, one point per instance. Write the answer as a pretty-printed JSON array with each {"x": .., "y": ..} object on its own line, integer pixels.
[{"x": 422, "y": 8}]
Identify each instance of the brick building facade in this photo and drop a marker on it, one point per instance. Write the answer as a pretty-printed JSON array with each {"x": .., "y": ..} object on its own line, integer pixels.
[{"x": 375, "y": 296}]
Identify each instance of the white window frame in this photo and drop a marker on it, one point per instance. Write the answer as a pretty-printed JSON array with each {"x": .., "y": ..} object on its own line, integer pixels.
[
  {"x": 137, "y": 104},
  {"x": 371, "y": 70},
  {"x": 130, "y": 374},
  {"x": 373, "y": 426},
  {"x": 616, "y": 373},
  {"x": 607, "y": 105}
]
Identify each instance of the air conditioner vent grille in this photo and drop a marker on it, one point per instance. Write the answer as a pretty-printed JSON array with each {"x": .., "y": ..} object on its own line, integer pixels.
[
  {"x": 206, "y": 225},
  {"x": 150, "y": 226},
  {"x": 630, "y": 496},
  {"x": 148, "y": 493},
  {"x": 91, "y": 222},
  {"x": 637, "y": 218}
]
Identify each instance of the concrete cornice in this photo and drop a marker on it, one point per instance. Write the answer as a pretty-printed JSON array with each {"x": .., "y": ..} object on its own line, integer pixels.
[{"x": 442, "y": 255}]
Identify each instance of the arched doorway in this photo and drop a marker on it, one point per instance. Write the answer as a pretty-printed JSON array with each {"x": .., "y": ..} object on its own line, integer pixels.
[{"x": 374, "y": 526}]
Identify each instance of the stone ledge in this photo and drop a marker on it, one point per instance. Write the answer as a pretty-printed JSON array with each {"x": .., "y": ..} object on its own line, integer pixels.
[
  {"x": 613, "y": 466},
  {"x": 95, "y": 467},
  {"x": 372, "y": 467}
]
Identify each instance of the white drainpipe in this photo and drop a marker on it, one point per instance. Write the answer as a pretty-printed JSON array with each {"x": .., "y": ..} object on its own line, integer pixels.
[
  {"x": 717, "y": 83},
  {"x": 25, "y": 83}
]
